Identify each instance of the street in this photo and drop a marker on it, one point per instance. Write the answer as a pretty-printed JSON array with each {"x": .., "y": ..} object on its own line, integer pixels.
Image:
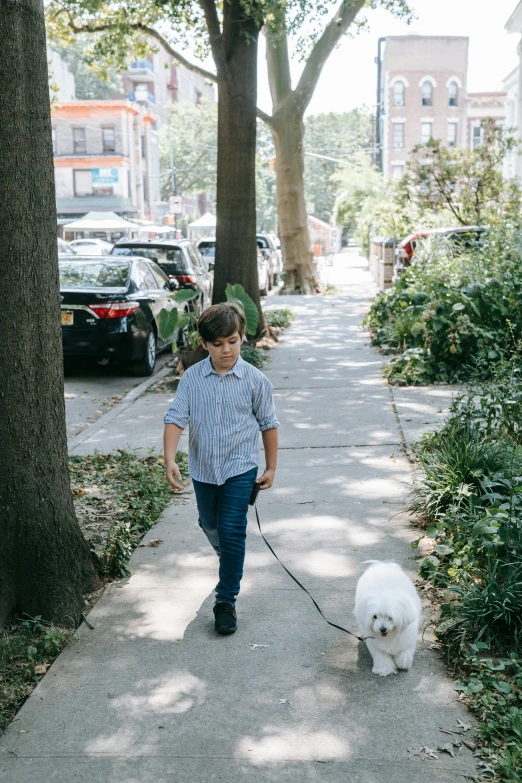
[{"x": 92, "y": 389}]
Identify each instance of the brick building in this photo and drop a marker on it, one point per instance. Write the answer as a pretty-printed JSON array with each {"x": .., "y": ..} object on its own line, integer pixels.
[
  {"x": 423, "y": 95},
  {"x": 482, "y": 105},
  {"x": 105, "y": 158}
]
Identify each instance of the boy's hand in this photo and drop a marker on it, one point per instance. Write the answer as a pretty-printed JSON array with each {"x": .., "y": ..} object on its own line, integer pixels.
[
  {"x": 267, "y": 479},
  {"x": 173, "y": 475}
]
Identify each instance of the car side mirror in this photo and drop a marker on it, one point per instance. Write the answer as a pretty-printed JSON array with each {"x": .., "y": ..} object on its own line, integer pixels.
[
  {"x": 173, "y": 284},
  {"x": 210, "y": 266}
]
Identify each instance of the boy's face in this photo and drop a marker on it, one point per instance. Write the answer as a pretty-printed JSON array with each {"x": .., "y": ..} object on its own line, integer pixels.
[{"x": 224, "y": 351}]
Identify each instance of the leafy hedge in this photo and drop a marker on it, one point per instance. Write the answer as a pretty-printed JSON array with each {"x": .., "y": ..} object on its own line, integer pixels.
[
  {"x": 451, "y": 314},
  {"x": 468, "y": 495}
]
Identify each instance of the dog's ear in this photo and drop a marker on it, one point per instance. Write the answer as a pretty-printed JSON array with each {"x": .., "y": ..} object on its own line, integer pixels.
[{"x": 407, "y": 612}]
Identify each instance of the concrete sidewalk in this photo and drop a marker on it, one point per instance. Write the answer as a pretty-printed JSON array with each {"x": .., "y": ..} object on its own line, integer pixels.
[{"x": 153, "y": 695}]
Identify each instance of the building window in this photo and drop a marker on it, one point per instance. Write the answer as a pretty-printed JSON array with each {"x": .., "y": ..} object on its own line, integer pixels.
[
  {"x": 145, "y": 188},
  {"x": 143, "y": 147},
  {"x": 79, "y": 141},
  {"x": 425, "y": 132},
  {"x": 453, "y": 94},
  {"x": 398, "y": 94},
  {"x": 427, "y": 94},
  {"x": 398, "y": 136},
  {"x": 477, "y": 137},
  {"x": 82, "y": 182},
  {"x": 397, "y": 171},
  {"x": 109, "y": 139},
  {"x": 452, "y": 134}
]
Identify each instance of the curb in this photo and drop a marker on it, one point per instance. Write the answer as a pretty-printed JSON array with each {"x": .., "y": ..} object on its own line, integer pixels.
[{"x": 125, "y": 403}]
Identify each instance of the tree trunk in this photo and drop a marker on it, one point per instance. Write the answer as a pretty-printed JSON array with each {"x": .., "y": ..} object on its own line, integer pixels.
[
  {"x": 45, "y": 563},
  {"x": 299, "y": 265},
  {"x": 236, "y": 246}
]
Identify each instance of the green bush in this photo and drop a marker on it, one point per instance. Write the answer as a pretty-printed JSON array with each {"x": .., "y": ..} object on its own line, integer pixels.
[
  {"x": 453, "y": 314},
  {"x": 468, "y": 495},
  {"x": 281, "y": 317},
  {"x": 255, "y": 356}
]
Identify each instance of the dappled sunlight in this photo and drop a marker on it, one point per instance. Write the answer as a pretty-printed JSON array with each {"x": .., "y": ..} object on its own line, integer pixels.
[
  {"x": 172, "y": 694},
  {"x": 126, "y": 741},
  {"x": 159, "y": 614},
  {"x": 325, "y": 564},
  {"x": 293, "y": 744},
  {"x": 435, "y": 691}
]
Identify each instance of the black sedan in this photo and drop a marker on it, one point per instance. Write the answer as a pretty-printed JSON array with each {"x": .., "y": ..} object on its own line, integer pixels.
[
  {"x": 110, "y": 309},
  {"x": 178, "y": 258}
]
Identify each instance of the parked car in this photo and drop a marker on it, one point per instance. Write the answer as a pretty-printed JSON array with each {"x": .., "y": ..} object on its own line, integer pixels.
[
  {"x": 178, "y": 258},
  {"x": 274, "y": 258},
  {"x": 277, "y": 244},
  {"x": 463, "y": 237},
  {"x": 91, "y": 247},
  {"x": 64, "y": 249},
  {"x": 110, "y": 309},
  {"x": 207, "y": 248}
]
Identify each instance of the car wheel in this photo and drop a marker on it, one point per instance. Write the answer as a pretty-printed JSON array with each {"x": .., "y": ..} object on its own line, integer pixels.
[
  {"x": 145, "y": 365},
  {"x": 264, "y": 291},
  {"x": 275, "y": 279}
]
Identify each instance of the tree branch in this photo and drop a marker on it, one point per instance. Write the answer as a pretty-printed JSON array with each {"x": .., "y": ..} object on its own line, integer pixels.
[
  {"x": 323, "y": 48},
  {"x": 278, "y": 64},
  {"x": 175, "y": 54},
  {"x": 215, "y": 36}
]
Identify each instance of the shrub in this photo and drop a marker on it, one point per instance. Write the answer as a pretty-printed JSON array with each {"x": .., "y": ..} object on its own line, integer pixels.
[
  {"x": 281, "y": 317},
  {"x": 453, "y": 314},
  {"x": 468, "y": 493}
]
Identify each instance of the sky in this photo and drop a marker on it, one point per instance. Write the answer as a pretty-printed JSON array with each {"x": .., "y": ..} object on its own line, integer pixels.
[{"x": 349, "y": 76}]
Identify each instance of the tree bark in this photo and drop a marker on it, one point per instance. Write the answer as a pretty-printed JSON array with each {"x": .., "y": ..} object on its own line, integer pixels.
[
  {"x": 300, "y": 269},
  {"x": 235, "y": 55},
  {"x": 45, "y": 564}
]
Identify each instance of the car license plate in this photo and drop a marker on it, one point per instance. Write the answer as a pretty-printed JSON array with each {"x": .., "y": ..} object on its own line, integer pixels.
[{"x": 67, "y": 319}]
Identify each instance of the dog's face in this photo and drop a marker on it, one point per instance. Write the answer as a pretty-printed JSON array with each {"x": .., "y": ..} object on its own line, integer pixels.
[
  {"x": 389, "y": 615},
  {"x": 382, "y": 624}
]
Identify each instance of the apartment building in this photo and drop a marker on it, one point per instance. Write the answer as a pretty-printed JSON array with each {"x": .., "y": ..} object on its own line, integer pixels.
[
  {"x": 105, "y": 158},
  {"x": 423, "y": 95},
  {"x": 157, "y": 80},
  {"x": 480, "y": 106}
]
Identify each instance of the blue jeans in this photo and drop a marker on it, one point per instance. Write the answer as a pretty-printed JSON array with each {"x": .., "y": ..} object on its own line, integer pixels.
[{"x": 223, "y": 518}]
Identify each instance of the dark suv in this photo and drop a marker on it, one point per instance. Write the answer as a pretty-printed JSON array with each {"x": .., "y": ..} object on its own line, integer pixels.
[{"x": 177, "y": 257}]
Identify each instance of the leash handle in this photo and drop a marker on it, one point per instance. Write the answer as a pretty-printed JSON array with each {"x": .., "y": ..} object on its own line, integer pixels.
[{"x": 339, "y": 627}]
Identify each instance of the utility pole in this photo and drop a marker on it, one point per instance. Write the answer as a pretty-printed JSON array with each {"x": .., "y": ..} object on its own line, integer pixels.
[
  {"x": 379, "y": 109},
  {"x": 172, "y": 172}
]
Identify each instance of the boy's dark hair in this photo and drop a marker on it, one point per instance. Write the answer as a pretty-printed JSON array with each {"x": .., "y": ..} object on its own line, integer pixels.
[{"x": 221, "y": 320}]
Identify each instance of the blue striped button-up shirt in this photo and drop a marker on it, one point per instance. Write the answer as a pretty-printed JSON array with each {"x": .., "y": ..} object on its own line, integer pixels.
[{"x": 225, "y": 414}]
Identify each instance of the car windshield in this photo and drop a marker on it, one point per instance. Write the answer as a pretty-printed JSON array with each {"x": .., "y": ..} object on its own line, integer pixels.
[
  {"x": 170, "y": 259},
  {"x": 207, "y": 249},
  {"x": 97, "y": 274}
]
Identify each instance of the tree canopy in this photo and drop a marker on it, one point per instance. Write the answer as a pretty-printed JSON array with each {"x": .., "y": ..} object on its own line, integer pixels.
[{"x": 341, "y": 137}]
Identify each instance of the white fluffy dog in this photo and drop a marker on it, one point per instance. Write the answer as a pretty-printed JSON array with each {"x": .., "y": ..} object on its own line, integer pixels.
[{"x": 388, "y": 608}]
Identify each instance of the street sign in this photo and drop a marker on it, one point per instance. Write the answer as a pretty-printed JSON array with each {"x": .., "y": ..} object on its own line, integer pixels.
[{"x": 176, "y": 205}]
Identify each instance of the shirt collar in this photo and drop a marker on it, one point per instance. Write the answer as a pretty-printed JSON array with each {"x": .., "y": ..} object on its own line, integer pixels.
[{"x": 237, "y": 369}]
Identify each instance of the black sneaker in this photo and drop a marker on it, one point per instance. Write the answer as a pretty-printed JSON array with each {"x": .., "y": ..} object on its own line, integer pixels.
[{"x": 226, "y": 618}]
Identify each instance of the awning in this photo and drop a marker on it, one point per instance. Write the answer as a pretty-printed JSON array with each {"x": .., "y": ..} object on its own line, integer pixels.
[
  {"x": 208, "y": 220},
  {"x": 101, "y": 221}
]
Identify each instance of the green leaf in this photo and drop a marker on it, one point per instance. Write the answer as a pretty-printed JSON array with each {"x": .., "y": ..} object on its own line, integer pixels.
[
  {"x": 167, "y": 323},
  {"x": 503, "y": 687},
  {"x": 432, "y": 531},
  {"x": 474, "y": 686},
  {"x": 458, "y": 306},
  {"x": 236, "y": 293},
  {"x": 443, "y": 550},
  {"x": 186, "y": 294}
]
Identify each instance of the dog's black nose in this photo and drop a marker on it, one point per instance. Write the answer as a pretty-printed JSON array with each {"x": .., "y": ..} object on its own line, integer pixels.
[{"x": 383, "y": 629}]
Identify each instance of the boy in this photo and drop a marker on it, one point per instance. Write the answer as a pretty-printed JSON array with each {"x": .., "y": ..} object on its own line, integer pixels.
[{"x": 225, "y": 401}]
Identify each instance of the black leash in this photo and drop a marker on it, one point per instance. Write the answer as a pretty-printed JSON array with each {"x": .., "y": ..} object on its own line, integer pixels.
[{"x": 339, "y": 627}]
